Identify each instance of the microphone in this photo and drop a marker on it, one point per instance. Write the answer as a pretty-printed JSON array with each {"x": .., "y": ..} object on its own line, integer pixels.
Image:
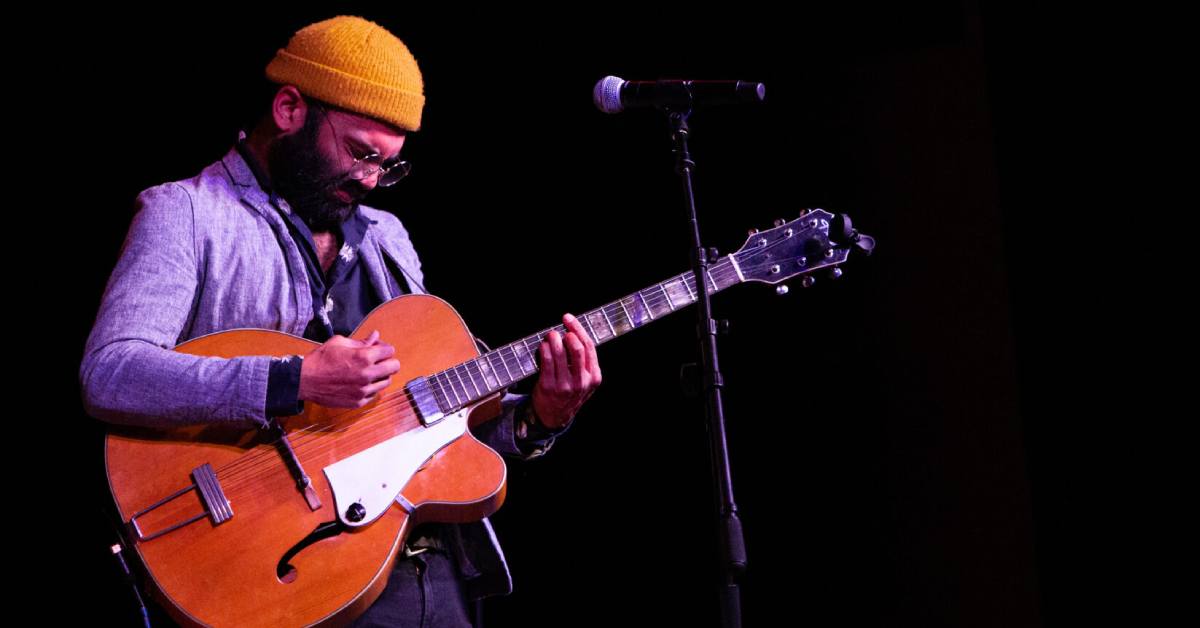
[{"x": 614, "y": 95}]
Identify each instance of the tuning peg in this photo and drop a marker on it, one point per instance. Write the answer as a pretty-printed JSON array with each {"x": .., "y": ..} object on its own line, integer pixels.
[
  {"x": 781, "y": 290},
  {"x": 804, "y": 212},
  {"x": 835, "y": 273},
  {"x": 808, "y": 281},
  {"x": 753, "y": 231},
  {"x": 779, "y": 222}
]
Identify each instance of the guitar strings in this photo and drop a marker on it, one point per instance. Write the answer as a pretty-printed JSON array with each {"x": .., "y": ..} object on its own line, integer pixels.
[
  {"x": 371, "y": 422},
  {"x": 376, "y": 418}
]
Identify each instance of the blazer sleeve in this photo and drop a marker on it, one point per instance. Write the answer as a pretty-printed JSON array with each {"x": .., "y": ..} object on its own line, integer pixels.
[{"x": 129, "y": 373}]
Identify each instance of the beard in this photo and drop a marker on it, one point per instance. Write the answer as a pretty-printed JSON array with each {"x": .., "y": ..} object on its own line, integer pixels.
[{"x": 308, "y": 181}]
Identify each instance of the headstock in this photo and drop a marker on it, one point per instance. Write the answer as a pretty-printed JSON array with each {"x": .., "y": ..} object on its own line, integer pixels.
[{"x": 815, "y": 240}]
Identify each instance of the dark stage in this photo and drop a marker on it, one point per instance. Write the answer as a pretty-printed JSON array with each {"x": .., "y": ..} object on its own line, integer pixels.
[{"x": 889, "y": 430}]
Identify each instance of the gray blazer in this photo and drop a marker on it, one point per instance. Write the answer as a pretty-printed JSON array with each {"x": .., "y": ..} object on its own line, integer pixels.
[{"x": 209, "y": 254}]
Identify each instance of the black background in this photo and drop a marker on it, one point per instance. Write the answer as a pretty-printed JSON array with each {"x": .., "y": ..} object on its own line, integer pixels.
[{"x": 897, "y": 436}]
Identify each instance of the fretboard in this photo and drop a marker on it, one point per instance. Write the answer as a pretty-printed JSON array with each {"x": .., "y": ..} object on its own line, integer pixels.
[{"x": 475, "y": 379}]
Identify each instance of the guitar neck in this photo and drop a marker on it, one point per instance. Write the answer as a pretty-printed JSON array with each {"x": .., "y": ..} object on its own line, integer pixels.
[{"x": 476, "y": 379}]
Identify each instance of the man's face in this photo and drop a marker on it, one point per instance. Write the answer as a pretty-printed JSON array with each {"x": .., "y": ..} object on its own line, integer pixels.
[{"x": 310, "y": 167}]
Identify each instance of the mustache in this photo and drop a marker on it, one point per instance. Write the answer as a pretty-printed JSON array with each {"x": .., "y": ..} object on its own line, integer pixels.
[
  {"x": 354, "y": 188},
  {"x": 322, "y": 187}
]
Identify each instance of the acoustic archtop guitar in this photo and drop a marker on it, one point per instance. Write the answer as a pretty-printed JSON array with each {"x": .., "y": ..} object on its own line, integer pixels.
[{"x": 300, "y": 525}]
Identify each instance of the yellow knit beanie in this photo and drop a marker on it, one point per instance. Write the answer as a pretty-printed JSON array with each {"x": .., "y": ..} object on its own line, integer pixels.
[{"x": 355, "y": 64}]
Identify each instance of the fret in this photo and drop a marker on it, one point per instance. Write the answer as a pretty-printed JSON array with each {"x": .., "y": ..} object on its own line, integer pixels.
[
  {"x": 592, "y": 332},
  {"x": 458, "y": 374},
  {"x": 453, "y": 376},
  {"x": 628, "y": 318},
  {"x": 439, "y": 393},
  {"x": 524, "y": 360},
  {"x": 446, "y": 377},
  {"x": 667, "y": 296},
  {"x": 595, "y": 321},
  {"x": 659, "y": 306},
  {"x": 511, "y": 379},
  {"x": 645, "y": 306},
  {"x": 622, "y": 325},
  {"x": 688, "y": 280},
  {"x": 680, "y": 291},
  {"x": 509, "y": 357},
  {"x": 485, "y": 369},
  {"x": 517, "y": 357},
  {"x": 532, "y": 352},
  {"x": 609, "y": 321},
  {"x": 476, "y": 375}
]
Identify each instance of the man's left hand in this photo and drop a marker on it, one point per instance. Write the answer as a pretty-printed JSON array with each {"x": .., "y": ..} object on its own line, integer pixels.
[{"x": 570, "y": 374}]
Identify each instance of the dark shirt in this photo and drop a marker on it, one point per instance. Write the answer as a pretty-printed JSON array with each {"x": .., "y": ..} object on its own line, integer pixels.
[{"x": 341, "y": 297}]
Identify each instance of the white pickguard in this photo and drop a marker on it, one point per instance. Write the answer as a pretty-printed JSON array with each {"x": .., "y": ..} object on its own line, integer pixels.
[{"x": 374, "y": 477}]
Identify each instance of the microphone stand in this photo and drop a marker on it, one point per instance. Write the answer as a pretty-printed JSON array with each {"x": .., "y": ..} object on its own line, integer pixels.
[
  {"x": 732, "y": 550},
  {"x": 118, "y": 552}
]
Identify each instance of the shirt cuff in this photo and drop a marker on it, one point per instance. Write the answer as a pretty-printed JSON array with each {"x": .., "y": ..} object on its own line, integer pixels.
[
  {"x": 530, "y": 429},
  {"x": 283, "y": 386}
]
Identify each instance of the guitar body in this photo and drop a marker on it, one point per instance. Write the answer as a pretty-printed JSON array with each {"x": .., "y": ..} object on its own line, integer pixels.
[{"x": 206, "y": 572}]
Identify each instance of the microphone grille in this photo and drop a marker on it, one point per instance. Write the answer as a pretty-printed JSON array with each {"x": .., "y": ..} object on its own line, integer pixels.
[{"x": 607, "y": 94}]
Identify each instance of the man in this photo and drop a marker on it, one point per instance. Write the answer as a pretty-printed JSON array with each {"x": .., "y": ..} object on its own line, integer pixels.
[{"x": 272, "y": 236}]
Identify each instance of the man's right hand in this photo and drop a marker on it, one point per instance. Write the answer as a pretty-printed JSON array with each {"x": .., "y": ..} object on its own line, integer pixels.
[{"x": 346, "y": 373}]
